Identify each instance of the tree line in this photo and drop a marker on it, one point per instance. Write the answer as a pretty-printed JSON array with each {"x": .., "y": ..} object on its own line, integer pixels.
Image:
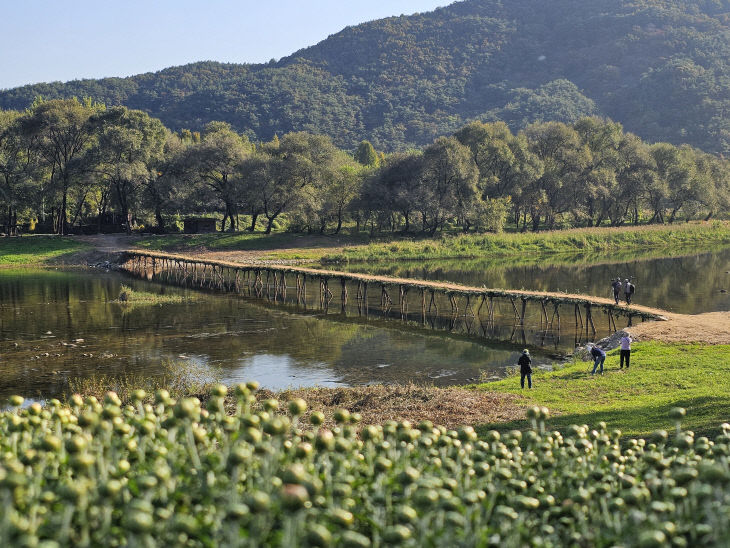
[{"x": 70, "y": 166}]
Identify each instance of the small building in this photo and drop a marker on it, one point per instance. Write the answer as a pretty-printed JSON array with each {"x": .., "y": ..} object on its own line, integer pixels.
[{"x": 199, "y": 225}]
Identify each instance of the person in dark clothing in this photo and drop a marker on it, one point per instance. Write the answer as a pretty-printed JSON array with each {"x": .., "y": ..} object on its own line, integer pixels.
[
  {"x": 626, "y": 341},
  {"x": 628, "y": 291},
  {"x": 525, "y": 363},
  {"x": 599, "y": 356},
  {"x": 616, "y": 286}
]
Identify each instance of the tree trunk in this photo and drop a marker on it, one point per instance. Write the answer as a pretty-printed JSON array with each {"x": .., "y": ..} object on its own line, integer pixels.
[
  {"x": 62, "y": 216},
  {"x": 254, "y": 218},
  {"x": 158, "y": 218}
]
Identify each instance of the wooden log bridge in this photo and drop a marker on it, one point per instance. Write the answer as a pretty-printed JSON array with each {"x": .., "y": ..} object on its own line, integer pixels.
[{"x": 457, "y": 302}]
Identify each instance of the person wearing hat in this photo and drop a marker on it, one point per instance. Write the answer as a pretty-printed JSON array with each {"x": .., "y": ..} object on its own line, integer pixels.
[{"x": 525, "y": 363}]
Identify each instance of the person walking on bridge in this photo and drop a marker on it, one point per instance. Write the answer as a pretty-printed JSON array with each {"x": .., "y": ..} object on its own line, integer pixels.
[
  {"x": 628, "y": 291},
  {"x": 525, "y": 363},
  {"x": 616, "y": 286}
]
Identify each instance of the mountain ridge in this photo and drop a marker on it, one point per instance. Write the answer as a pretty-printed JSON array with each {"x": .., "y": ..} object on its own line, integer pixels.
[{"x": 660, "y": 67}]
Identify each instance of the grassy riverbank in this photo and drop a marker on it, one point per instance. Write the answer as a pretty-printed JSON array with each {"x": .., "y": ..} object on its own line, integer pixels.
[
  {"x": 563, "y": 241},
  {"x": 37, "y": 250},
  {"x": 344, "y": 248},
  {"x": 637, "y": 401}
]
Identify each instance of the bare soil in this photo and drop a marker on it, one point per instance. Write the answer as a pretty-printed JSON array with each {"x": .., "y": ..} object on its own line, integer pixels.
[
  {"x": 709, "y": 328},
  {"x": 450, "y": 407}
]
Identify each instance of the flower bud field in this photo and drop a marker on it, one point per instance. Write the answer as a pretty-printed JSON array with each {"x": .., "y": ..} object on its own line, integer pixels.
[{"x": 160, "y": 472}]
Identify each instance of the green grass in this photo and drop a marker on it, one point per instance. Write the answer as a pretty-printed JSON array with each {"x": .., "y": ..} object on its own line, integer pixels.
[
  {"x": 127, "y": 295},
  {"x": 583, "y": 240},
  {"x": 636, "y": 401},
  {"x": 307, "y": 246},
  {"x": 30, "y": 250}
]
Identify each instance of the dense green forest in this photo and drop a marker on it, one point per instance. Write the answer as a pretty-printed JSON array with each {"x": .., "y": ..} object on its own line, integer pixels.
[
  {"x": 659, "y": 67},
  {"x": 72, "y": 166}
]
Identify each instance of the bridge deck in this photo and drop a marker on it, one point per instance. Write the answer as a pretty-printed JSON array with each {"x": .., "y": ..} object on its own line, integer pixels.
[{"x": 643, "y": 312}]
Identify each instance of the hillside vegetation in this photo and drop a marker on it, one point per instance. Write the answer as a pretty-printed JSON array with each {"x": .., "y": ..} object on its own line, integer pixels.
[{"x": 659, "y": 67}]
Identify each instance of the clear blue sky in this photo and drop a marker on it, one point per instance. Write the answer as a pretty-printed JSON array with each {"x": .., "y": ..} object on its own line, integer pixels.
[{"x": 50, "y": 40}]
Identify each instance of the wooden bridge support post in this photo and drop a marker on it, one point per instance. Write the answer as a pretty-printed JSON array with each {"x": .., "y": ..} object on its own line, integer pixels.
[
  {"x": 522, "y": 315},
  {"x": 343, "y": 296}
]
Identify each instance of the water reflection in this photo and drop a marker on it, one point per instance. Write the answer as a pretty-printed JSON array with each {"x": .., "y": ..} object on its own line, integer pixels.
[
  {"x": 689, "y": 284},
  {"x": 58, "y": 325}
]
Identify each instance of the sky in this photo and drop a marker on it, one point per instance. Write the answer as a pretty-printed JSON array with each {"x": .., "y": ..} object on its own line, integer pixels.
[{"x": 52, "y": 40}]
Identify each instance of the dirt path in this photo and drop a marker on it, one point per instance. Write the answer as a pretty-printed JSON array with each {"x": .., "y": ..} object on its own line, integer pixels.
[{"x": 709, "y": 328}]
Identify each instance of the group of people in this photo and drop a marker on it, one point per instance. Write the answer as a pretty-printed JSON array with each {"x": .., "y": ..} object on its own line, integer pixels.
[
  {"x": 627, "y": 287},
  {"x": 597, "y": 353}
]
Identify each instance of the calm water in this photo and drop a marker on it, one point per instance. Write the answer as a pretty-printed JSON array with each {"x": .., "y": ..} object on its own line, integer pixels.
[
  {"x": 688, "y": 284},
  {"x": 59, "y": 325}
]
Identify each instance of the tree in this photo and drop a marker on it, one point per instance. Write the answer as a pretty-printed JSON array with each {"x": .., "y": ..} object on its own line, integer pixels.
[
  {"x": 394, "y": 187},
  {"x": 130, "y": 142},
  {"x": 449, "y": 183},
  {"x": 564, "y": 158},
  {"x": 18, "y": 165},
  {"x": 216, "y": 163},
  {"x": 507, "y": 166},
  {"x": 168, "y": 170},
  {"x": 64, "y": 132},
  {"x": 278, "y": 174},
  {"x": 366, "y": 155}
]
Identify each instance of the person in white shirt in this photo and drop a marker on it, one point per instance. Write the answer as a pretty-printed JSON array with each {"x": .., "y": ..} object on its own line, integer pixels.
[{"x": 625, "y": 350}]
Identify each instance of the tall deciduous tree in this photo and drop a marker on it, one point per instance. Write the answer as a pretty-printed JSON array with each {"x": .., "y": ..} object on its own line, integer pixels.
[
  {"x": 130, "y": 142},
  {"x": 366, "y": 155},
  {"x": 65, "y": 133},
  {"x": 216, "y": 162},
  {"x": 449, "y": 183},
  {"x": 564, "y": 158},
  {"x": 18, "y": 166},
  {"x": 280, "y": 171}
]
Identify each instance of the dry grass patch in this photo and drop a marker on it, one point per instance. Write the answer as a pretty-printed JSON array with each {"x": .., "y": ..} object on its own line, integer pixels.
[{"x": 451, "y": 407}]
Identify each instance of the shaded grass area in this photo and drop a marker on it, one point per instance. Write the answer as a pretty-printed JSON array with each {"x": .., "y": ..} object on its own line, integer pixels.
[
  {"x": 705, "y": 235},
  {"x": 28, "y": 250},
  {"x": 637, "y": 401},
  {"x": 307, "y": 246}
]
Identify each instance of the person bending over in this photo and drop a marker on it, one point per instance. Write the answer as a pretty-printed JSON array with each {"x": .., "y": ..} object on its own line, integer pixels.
[{"x": 599, "y": 356}]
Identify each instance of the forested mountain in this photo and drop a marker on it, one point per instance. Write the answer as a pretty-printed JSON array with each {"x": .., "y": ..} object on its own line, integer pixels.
[{"x": 660, "y": 67}]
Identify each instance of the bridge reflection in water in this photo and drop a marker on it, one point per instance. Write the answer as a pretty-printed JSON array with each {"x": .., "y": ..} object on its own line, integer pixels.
[{"x": 477, "y": 312}]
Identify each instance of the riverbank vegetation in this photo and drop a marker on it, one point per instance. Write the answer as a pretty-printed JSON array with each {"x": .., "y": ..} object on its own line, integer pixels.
[
  {"x": 174, "y": 472},
  {"x": 587, "y": 240},
  {"x": 636, "y": 400},
  {"x": 482, "y": 178},
  {"x": 128, "y": 295}
]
